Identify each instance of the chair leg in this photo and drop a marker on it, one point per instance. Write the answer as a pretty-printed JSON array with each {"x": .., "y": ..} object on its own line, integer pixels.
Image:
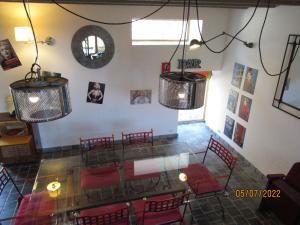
[
  {"x": 222, "y": 207},
  {"x": 226, "y": 194},
  {"x": 191, "y": 212}
]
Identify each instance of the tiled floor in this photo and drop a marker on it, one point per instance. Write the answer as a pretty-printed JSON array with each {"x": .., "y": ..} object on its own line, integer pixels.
[{"x": 206, "y": 211}]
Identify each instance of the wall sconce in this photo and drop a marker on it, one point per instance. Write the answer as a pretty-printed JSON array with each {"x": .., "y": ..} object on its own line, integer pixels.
[
  {"x": 25, "y": 34},
  {"x": 196, "y": 44}
]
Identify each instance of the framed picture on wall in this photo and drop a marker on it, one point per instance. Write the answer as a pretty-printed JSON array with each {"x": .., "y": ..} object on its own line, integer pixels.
[
  {"x": 232, "y": 100},
  {"x": 165, "y": 67},
  {"x": 95, "y": 92},
  {"x": 140, "y": 97},
  {"x": 245, "y": 107},
  {"x": 239, "y": 135},
  {"x": 229, "y": 125},
  {"x": 8, "y": 56},
  {"x": 237, "y": 76},
  {"x": 250, "y": 80}
]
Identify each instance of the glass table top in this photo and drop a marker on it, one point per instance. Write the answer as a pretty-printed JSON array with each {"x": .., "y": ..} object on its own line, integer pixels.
[{"x": 107, "y": 177}]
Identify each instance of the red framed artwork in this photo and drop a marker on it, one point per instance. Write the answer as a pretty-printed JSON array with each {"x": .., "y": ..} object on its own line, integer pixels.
[{"x": 165, "y": 67}]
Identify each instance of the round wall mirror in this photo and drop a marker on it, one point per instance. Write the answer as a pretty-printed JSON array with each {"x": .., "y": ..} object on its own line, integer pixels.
[{"x": 92, "y": 46}]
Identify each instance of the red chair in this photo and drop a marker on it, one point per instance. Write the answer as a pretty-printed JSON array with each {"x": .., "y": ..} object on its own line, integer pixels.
[
  {"x": 34, "y": 208},
  {"x": 202, "y": 181},
  {"x": 96, "y": 144},
  {"x": 137, "y": 138},
  {"x": 117, "y": 214},
  {"x": 282, "y": 195},
  {"x": 160, "y": 210},
  {"x": 99, "y": 177}
]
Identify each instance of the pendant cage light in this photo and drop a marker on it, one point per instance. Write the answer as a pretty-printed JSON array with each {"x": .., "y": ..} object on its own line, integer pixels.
[
  {"x": 182, "y": 91},
  {"x": 41, "y": 100}
]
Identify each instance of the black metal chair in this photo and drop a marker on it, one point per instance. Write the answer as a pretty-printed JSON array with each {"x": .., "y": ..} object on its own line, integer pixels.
[{"x": 33, "y": 209}]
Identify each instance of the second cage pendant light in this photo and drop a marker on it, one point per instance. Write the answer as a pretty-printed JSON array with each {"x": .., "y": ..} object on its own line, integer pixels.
[{"x": 182, "y": 90}]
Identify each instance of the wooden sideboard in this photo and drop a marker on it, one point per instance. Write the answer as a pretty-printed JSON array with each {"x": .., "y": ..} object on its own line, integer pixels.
[{"x": 17, "y": 143}]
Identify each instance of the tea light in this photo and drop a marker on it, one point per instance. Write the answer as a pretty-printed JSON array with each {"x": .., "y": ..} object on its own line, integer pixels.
[
  {"x": 182, "y": 177},
  {"x": 54, "y": 189}
]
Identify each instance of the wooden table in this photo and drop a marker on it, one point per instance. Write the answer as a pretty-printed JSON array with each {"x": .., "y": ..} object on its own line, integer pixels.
[{"x": 17, "y": 149}]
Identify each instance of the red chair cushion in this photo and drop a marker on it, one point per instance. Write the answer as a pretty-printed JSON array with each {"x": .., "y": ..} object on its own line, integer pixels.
[
  {"x": 129, "y": 172},
  {"x": 201, "y": 180},
  {"x": 35, "y": 209},
  {"x": 152, "y": 218},
  {"x": 99, "y": 177},
  {"x": 104, "y": 210}
]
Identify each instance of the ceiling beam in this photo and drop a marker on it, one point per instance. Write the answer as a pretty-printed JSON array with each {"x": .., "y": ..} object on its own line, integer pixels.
[{"x": 205, "y": 3}]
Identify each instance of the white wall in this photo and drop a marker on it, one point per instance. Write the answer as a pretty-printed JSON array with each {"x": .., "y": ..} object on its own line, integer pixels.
[
  {"x": 132, "y": 67},
  {"x": 272, "y": 136}
]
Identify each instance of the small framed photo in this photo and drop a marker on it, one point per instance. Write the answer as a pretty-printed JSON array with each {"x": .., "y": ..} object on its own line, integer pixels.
[
  {"x": 165, "y": 67},
  {"x": 232, "y": 100},
  {"x": 250, "y": 80},
  {"x": 95, "y": 92},
  {"x": 140, "y": 97},
  {"x": 8, "y": 56},
  {"x": 245, "y": 107},
  {"x": 229, "y": 125},
  {"x": 237, "y": 76},
  {"x": 239, "y": 135}
]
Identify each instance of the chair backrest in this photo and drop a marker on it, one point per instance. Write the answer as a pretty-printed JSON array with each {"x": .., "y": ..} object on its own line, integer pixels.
[
  {"x": 137, "y": 138},
  {"x": 153, "y": 206},
  {"x": 293, "y": 176},
  {"x": 107, "y": 143},
  {"x": 167, "y": 204},
  {"x": 114, "y": 217},
  {"x": 5, "y": 178},
  {"x": 223, "y": 153}
]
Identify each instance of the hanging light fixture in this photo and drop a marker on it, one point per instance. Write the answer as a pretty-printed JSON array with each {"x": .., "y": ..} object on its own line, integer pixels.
[
  {"x": 37, "y": 98},
  {"x": 182, "y": 90}
]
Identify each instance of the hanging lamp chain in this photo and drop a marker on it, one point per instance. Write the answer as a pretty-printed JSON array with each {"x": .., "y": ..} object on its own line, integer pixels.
[
  {"x": 34, "y": 73},
  {"x": 185, "y": 36}
]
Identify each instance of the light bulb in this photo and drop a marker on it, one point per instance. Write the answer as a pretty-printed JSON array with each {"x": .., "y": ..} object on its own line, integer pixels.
[
  {"x": 181, "y": 95},
  {"x": 182, "y": 177},
  {"x": 195, "y": 46},
  {"x": 34, "y": 99}
]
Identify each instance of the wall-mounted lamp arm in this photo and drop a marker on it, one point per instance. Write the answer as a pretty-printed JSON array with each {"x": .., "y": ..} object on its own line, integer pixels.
[
  {"x": 49, "y": 41},
  {"x": 195, "y": 43},
  {"x": 247, "y": 44}
]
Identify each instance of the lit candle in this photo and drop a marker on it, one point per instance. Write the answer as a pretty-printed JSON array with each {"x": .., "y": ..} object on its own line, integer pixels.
[
  {"x": 54, "y": 189},
  {"x": 182, "y": 177}
]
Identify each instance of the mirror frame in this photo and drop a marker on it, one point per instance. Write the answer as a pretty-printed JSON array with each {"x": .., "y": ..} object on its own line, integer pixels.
[
  {"x": 291, "y": 51},
  {"x": 92, "y": 30}
]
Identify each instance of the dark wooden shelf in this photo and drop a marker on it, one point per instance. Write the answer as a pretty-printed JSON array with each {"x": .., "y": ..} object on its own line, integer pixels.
[{"x": 19, "y": 148}]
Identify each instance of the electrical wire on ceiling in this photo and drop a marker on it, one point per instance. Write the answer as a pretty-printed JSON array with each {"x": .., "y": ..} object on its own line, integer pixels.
[
  {"x": 111, "y": 23},
  {"x": 182, "y": 29},
  {"x": 180, "y": 40},
  {"x": 234, "y": 36},
  {"x": 260, "y": 51}
]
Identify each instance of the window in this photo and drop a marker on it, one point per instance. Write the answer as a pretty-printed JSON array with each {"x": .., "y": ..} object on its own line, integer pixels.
[{"x": 162, "y": 32}]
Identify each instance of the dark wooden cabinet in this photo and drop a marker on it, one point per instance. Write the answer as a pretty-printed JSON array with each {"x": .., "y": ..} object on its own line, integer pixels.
[{"x": 17, "y": 141}]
